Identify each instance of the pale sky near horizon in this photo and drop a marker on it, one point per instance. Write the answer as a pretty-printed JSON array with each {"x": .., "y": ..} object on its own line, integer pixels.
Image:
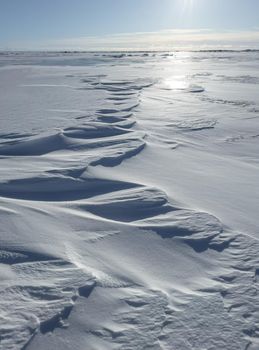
[{"x": 132, "y": 24}]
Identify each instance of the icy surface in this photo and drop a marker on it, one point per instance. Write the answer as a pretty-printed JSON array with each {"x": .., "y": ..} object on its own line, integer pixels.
[{"x": 129, "y": 201}]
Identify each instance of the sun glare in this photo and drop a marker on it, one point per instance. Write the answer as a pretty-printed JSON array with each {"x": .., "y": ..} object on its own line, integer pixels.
[{"x": 187, "y": 5}]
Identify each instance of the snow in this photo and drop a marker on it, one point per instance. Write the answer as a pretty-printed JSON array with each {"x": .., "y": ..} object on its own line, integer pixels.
[{"x": 129, "y": 201}]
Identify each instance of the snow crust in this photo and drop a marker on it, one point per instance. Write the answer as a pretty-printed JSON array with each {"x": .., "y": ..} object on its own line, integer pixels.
[{"x": 129, "y": 201}]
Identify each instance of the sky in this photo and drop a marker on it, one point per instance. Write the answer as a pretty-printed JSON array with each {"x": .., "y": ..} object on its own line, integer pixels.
[{"x": 128, "y": 24}]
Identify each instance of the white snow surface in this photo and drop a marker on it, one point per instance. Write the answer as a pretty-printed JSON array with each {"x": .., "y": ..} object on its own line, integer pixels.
[{"x": 129, "y": 201}]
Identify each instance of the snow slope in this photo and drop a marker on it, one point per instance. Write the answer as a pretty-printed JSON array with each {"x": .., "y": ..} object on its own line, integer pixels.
[{"x": 129, "y": 201}]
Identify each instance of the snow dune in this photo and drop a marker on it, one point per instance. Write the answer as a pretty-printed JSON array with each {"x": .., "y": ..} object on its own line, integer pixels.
[{"x": 129, "y": 201}]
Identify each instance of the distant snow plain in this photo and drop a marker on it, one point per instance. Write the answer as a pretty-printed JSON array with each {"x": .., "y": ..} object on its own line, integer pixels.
[{"x": 129, "y": 201}]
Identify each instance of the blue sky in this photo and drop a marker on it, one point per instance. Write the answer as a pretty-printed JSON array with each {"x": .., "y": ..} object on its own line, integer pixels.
[{"x": 93, "y": 24}]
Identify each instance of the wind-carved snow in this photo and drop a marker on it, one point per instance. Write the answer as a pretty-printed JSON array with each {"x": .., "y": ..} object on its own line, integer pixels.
[{"x": 105, "y": 241}]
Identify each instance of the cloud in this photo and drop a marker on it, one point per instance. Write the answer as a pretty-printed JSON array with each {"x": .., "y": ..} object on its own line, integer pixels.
[{"x": 181, "y": 39}]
